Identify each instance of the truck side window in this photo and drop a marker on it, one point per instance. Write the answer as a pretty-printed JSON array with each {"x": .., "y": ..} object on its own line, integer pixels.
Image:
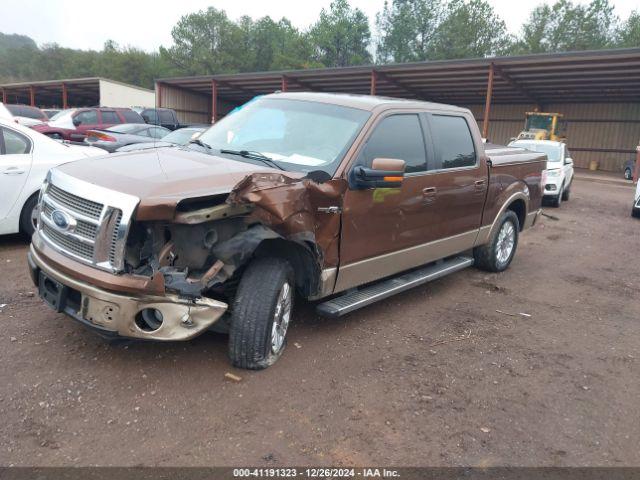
[
  {"x": 453, "y": 142},
  {"x": 398, "y": 136}
]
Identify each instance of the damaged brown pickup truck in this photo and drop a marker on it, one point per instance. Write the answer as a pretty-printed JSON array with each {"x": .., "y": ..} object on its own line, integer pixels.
[{"x": 348, "y": 199}]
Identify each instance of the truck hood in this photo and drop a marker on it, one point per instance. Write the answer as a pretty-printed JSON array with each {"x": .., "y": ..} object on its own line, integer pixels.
[{"x": 161, "y": 178}]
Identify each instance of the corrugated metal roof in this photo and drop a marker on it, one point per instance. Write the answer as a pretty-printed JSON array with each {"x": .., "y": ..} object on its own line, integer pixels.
[{"x": 591, "y": 76}]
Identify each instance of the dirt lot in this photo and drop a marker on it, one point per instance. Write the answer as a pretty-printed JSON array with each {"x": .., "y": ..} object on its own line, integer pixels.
[{"x": 435, "y": 376}]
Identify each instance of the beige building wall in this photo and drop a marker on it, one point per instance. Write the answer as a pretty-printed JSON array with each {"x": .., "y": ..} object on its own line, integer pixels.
[{"x": 115, "y": 94}]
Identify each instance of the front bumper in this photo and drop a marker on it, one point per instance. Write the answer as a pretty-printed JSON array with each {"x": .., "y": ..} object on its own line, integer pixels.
[{"x": 114, "y": 315}]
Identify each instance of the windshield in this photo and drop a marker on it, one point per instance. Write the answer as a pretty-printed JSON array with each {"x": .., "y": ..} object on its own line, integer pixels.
[
  {"x": 182, "y": 136},
  {"x": 553, "y": 152},
  {"x": 127, "y": 128},
  {"x": 299, "y": 135},
  {"x": 62, "y": 113},
  {"x": 542, "y": 122}
]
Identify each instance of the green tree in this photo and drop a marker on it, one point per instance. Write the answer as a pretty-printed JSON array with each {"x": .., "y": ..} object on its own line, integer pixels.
[
  {"x": 206, "y": 42},
  {"x": 471, "y": 28},
  {"x": 565, "y": 26},
  {"x": 407, "y": 29},
  {"x": 341, "y": 36},
  {"x": 628, "y": 34}
]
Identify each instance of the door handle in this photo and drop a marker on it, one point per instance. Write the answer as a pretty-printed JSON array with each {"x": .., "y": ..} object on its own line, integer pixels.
[
  {"x": 479, "y": 184},
  {"x": 429, "y": 191},
  {"x": 13, "y": 171}
]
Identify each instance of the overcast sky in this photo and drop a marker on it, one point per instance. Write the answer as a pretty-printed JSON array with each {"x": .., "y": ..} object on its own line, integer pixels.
[{"x": 147, "y": 23}]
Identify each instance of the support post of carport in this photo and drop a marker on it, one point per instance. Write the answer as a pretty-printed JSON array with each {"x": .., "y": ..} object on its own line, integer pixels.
[
  {"x": 374, "y": 82},
  {"x": 65, "y": 97},
  {"x": 4, "y": 96},
  {"x": 214, "y": 101},
  {"x": 284, "y": 83},
  {"x": 158, "y": 95},
  {"x": 32, "y": 96},
  {"x": 487, "y": 103}
]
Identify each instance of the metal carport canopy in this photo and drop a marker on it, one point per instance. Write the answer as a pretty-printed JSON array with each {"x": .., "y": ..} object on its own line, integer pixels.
[{"x": 590, "y": 76}]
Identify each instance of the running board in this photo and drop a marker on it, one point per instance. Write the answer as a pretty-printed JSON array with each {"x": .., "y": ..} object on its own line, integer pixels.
[{"x": 351, "y": 301}]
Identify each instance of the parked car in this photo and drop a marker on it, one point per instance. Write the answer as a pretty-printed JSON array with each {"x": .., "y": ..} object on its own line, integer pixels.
[
  {"x": 182, "y": 136},
  {"x": 629, "y": 166},
  {"x": 22, "y": 114},
  {"x": 50, "y": 112},
  {"x": 27, "y": 115},
  {"x": 25, "y": 158},
  {"x": 72, "y": 124},
  {"x": 635, "y": 209},
  {"x": 559, "y": 168},
  {"x": 112, "y": 138},
  {"x": 164, "y": 117},
  {"x": 322, "y": 194}
]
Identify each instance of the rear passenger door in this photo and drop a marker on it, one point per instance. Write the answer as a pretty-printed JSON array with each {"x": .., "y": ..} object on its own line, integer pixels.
[
  {"x": 458, "y": 179},
  {"x": 15, "y": 165}
]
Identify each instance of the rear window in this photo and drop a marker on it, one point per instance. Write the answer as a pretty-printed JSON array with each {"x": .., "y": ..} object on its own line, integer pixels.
[
  {"x": 26, "y": 111},
  {"x": 453, "y": 142},
  {"x": 131, "y": 117}
]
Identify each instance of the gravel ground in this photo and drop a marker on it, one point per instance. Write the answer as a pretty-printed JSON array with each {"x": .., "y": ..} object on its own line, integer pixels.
[{"x": 534, "y": 366}]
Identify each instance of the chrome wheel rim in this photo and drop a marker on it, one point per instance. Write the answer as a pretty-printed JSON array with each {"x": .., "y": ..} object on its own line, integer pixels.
[
  {"x": 506, "y": 242},
  {"x": 281, "y": 318}
]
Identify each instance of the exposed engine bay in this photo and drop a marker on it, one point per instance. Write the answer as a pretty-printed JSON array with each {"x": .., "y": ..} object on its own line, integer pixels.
[{"x": 210, "y": 239}]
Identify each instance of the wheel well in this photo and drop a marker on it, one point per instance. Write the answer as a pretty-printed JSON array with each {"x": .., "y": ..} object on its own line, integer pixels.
[
  {"x": 520, "y": 209},
  {"x": 301, "y": 258}
]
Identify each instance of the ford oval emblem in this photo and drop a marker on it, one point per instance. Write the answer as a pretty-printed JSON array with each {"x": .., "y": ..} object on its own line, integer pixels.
[{"x": 62, "y": 220}]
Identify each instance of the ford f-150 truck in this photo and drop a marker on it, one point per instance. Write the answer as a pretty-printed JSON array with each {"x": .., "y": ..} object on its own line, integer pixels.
[{"x": 339, "y": 199}]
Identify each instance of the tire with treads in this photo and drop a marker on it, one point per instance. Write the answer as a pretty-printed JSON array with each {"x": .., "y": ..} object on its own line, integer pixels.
[
  {"x": 254, "y": 311},
  {"x": 486, "y": 256}
]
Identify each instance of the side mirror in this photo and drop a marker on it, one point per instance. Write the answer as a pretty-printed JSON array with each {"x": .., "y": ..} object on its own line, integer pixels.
[
  {"x": 76, "y": 122},
  {"x": 384, "y": 173}
]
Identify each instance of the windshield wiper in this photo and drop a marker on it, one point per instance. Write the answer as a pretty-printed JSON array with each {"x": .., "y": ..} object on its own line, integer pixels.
[
  {"x": 254, "y": 156},
  {"x": 197, "y": 141}
]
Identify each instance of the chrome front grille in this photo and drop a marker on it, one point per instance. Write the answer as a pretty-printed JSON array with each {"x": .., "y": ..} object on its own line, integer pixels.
[
  {"x": 79, "y": 249},
  {"x": 91, "y": 231},
  {"x": 77, "y": 204}
]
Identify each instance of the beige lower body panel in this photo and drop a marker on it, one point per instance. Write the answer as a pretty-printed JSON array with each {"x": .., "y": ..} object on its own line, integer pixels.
[
  {"x": 371, "y": 269},
  {"x": 182, "y": 319}
]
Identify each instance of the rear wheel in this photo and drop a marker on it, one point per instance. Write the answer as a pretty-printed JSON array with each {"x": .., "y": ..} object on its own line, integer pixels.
[
  {"x": 29, "y": 216},
  {"x": 496, "y": 255},
  {"x": 261, "y": 313},
  {"x": 635, "y": 212},
  {"x": 627, "y": 173}
]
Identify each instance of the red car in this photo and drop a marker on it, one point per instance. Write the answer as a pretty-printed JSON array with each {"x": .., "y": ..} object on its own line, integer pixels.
[{"x": 72, "y": 124}]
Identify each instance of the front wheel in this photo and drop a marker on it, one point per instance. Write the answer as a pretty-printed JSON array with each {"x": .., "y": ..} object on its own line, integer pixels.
[
  {"x": 261, "y": 314},
  {"x": 496, "y": 255}
]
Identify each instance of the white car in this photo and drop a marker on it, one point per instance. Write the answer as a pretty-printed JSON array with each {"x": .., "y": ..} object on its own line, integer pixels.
[
  {"x": 635, "y": 209},
  {"x": 559, "y": 168},
  {"x": 25, "y": 158},
  {"x": 23, "y": 114}
]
